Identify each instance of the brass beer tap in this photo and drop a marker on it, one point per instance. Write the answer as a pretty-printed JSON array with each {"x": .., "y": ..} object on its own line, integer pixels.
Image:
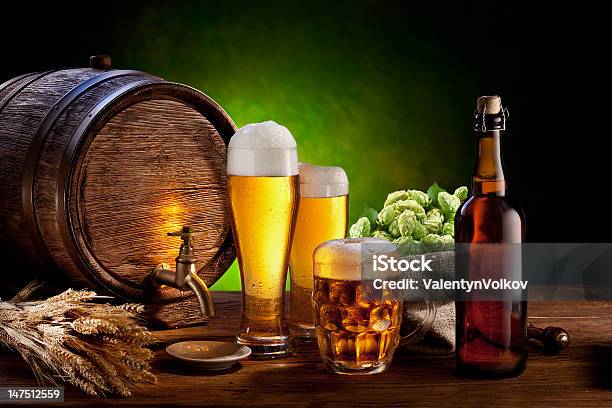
[{"x": 185, "y": 276}]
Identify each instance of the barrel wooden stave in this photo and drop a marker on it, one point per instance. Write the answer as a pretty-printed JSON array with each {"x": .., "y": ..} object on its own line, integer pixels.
[
  {"x": 19, "y": 119},
  {"x": 47, "y": 173}
]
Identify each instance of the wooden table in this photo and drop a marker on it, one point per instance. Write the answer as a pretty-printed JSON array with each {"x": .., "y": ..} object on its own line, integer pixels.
[{"x": 580, "y": 376}]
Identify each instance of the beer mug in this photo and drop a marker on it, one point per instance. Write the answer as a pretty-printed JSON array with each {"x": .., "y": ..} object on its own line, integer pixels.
[
  {"x": 357, "y": 325},
  {"x": 263, "y": 191},
  {"x": 322, "y": 216}
]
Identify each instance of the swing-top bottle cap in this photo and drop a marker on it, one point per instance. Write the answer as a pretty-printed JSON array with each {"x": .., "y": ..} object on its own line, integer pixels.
[{"x": 490, "y": 105}]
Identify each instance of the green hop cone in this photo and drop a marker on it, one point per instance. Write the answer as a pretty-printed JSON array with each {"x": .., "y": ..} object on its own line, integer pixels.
[
  {"x": 372, "y": 215},
  {"x": 396, "y": 196},
  {"x": 448, "y": 203},
  {"x": 433, "y": 221},
  {"x": 420, "y": 197},
  {"x": 394, "y": 229},
  {"x": 448, "y": 229},
  {"x": 419, "y": 231},
  {"x": 420, "y": 222},
  {"x": 382, "y": 235},
  {"x": 461, "y": 193},
  {"x": 406, "y": 222},
  {"x": 361, "y": 228},
  {"x": 405, "y": 245},
  {"x": 403, "y": 240},
  {"x": 411, "y": 205},
  {"x": 447, "y": 239},
  {"x": 431, "y": 239},
  {"x": 386, "y": 215},
  {"x": 436, "y": 243}
]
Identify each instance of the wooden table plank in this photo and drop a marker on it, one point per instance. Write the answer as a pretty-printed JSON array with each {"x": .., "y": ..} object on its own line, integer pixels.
[{"x": 580, "y": 376}]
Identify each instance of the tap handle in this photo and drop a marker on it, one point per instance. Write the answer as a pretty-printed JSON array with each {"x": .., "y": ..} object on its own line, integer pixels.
[{"x": 185, "y": 233}]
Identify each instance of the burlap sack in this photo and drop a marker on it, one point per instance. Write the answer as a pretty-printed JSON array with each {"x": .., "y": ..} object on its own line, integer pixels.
[{"x": 440, "y": 339}]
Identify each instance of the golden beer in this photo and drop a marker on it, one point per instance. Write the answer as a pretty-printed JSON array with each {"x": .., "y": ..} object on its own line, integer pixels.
[
  {"x": 355, "y": 333},
  {"x": 263, "y": 189},
  {"x": 322, "y": 216},
  {"x": 357, "y": 325}
]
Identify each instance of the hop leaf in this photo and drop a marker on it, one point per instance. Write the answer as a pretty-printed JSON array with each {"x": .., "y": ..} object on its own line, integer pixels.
[
  {"x": 433, "y": 192},
  {"x": 361, "y": 228}
]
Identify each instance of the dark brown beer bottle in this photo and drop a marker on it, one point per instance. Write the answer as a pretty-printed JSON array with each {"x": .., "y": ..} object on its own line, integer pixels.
[{"x": 491, "y": 334}]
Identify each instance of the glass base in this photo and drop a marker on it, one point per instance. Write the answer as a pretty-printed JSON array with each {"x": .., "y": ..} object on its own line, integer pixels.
[
  {"x": 302, "y": 332},
  {"x": 352, "y": 368},
  {"x": 278, "y": 347}
]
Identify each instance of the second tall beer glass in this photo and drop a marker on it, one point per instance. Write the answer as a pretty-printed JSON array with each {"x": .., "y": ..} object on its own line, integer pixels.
[
  {"x": 263, "y": 189},
  {"x": 323, "y": 215}
]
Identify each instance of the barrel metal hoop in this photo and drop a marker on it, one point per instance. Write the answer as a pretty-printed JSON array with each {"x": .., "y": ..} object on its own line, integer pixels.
[
  {"x": 9, "y": 96},
  {"x": 64, "y": 179},
  {"x": 11, "y": 81},
  {"x": 33, "y": 153}
]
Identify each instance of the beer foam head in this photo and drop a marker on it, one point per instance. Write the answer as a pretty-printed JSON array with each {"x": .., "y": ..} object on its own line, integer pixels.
[
  {"x": 342, "y": 258},
  {"x": 322, "y": 181},
  {"x": 262, "y": 149}
]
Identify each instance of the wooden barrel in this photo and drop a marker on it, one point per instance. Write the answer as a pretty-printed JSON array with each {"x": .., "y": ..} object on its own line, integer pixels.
[{"x": 97, "y": 165}]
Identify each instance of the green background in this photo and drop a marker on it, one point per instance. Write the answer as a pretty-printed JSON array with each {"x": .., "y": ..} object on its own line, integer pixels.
[{"x": 380, "y": 88}]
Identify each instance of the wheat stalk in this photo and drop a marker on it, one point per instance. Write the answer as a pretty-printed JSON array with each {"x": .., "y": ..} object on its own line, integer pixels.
[{"x": 98, "y": 348}]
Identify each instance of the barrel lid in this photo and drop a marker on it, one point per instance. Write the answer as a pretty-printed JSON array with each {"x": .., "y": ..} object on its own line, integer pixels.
[{"x": 151, "y": 160}]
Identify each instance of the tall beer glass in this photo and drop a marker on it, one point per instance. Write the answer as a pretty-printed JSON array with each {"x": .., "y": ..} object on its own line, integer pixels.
[
  {"x": 263, "y": 190},
  {"x": 358, "y": 325},
  {"x": 322, "y": 216}
]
